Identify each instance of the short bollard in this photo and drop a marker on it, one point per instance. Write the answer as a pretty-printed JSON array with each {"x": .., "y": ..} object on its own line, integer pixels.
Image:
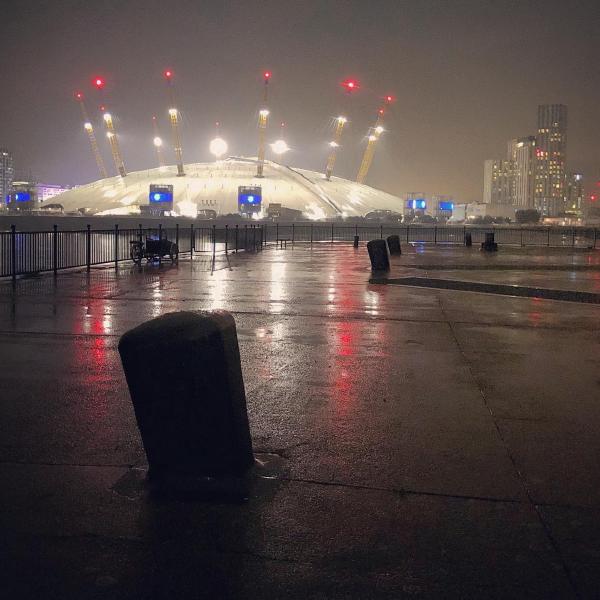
[
  {"x": 393, "y": 242},
  {"x": 379, "y": 255},
  {"x": 356, "y": 238},
  {"x": 489, "y": 245},
  {"x": 468, "y": 239},
  {"x": 185, "y": 380}
]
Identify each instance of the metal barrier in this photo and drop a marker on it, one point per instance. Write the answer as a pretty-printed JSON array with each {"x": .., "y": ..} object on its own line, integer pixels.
[
  {"x": 28, "y": 252},
  {"x": 24, "y": 253}
]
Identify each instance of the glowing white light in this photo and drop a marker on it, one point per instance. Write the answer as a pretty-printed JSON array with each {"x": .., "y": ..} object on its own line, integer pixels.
[
  {"x": 88, "y": 126},
  {"x": 342, "y": 119},
  {"x": 157, "y": 142},
  {"x": 109, "y": 134},
  {"x": 280, "y": 147},
  {"x": 264, "y": 113},
  {"x": 173, "y": 112},
  {"x": 334, "y": 144},
  {"x": 379, "y": 129},
  {"x": 218, "y": 147},
  {"x": 372, "y": 138},
  {"x": 107, "y": 117},
  {"x": 156, "y": 197}
]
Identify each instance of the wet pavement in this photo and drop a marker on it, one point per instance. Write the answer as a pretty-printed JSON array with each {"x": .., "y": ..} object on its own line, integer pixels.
[{"x": 432, "y": 443}]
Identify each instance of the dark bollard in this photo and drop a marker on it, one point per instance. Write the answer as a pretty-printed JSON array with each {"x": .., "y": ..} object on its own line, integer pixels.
[
  {"x": 185, "y": 380},
  {"x": 356, "y": 238},
  {"x": 379, "y": 255},
  {"x": 393, "y": 242},
  {"x": 489, "y": 245},
  {"x": 468, "y": 239}
]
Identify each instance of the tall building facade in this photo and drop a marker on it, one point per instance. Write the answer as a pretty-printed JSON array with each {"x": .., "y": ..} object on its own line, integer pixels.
[
  {"x": 498, "y": 181},
  {"x": 550, "y": 158},
  {"x": 524, "y": 181},
  {"x": 575, "y": 194},
  {"x": 7, "y": 173}
]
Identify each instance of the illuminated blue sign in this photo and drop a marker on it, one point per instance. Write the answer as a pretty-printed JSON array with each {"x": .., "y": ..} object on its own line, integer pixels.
[
  {"x": 446, "y": 206},
  {"x": 253, "y": 199},
  {"x": 416, "y": 204},
  {"x": 158, "y": 197},
  {"x": 249, "y": 199},
  {"x": 22, "y": 197}
]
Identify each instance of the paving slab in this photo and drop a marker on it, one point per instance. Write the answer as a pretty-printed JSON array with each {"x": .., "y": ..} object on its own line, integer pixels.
[{"x": 432, "y": 443}]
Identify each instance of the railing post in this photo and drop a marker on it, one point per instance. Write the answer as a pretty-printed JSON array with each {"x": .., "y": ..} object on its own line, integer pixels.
[
  {"x": 595, "y": 235},
  {"x": 246, "y": 237},
  {"x": 311, "y": 233},
  {"x": 237, "y": 230},
  {"x": 140, "y": 233},
  {"x": 521, "y": 237},
  {"x": 435, "y": 235},
  {"x": 88, "y": 248},
  {"x": 214, "y": 240},
  {"x": 276, "y": 233},
  {"x": 226, "y": 238},
  {"x": 192, "y": 241},
  {"x": 573, "y": 243},
  {"x": 159, "y": 244},
  {"x": 548, "y": 243},
  {"x": 407, "y": 236},
  {"x": 13, "y": 250},
  {"x": 293, "y": 234},
  {"x": 177, "y": 234},
  {"x": 116, "y": 245},
  {"x": 55, "y": 249},
  {"x": 381, "y": 232},
  {"x": 332, "y": 233}
]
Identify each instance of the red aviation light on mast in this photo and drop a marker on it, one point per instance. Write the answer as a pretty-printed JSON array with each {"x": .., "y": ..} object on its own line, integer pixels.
[
  {"x": 389, "y": 99},
  {"x": 79, "y": 95},
  {"x": 267, "y": 75},
  {"x": 168, "y": 74},
  {"x": 351, "y": 85},
  {"x": 99, "y": 83}
]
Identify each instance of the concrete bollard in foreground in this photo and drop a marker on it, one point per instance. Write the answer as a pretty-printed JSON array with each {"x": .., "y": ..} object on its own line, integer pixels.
[
  {"x": 356, "y": 239},
  {"x": 468, "y": 239},
  {"x": 185, "y": 379},
  {"x": 393, "y": 242},
  {"x": 379, "y": 254}
]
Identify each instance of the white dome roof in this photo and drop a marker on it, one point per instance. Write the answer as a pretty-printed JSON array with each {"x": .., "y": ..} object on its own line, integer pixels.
[{"x": 215, "y": 186}]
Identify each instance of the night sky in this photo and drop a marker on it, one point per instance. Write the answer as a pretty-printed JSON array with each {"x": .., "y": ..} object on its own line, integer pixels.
[{"x": 468, "y": 76}]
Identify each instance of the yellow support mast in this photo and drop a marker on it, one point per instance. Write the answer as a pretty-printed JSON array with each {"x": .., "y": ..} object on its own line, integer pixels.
[
  {"x": 174, "y": 118},
  {"x": 111, "y": 133},
  {"x": 350, "y": 85},
  {"x": 263, "y": 118},
  {"x": 157, "y": 141},
  {"x": 89, "y": 129},
  {"x": 373, "y": 136}
]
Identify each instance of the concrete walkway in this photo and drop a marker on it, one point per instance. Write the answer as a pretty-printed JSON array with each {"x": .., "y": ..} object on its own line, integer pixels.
[{"x": 432, "y": 443}]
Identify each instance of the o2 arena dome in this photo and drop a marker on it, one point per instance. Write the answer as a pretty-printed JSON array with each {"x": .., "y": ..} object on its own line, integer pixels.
[{"x": 215, "y": 185}]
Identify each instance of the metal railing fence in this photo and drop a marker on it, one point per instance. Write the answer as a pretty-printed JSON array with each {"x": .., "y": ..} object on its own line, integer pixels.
[{"x": 30, "y": 252}]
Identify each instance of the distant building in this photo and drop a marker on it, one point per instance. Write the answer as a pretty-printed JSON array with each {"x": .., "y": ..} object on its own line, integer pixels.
[
  {"x": 7, "y": 173},
  {"x": 550, "y": 158},
  {"x": 45, "y": 191},
  {"x": 524, "y": 183},
  {"x": 498, "y": 182},
  {"x": 575, "y": 194}
]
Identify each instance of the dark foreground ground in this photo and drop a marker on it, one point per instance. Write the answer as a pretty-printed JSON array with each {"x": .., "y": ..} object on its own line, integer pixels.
[{"x": 431, "y": 443}]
